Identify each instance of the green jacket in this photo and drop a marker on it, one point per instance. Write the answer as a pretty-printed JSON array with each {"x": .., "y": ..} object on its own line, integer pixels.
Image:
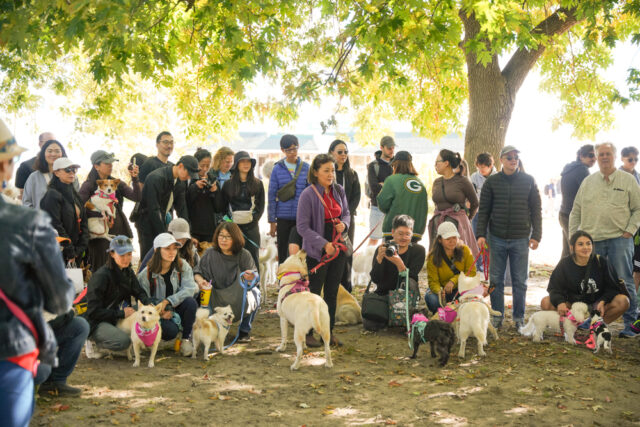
[{"x": 403, "y": 194}]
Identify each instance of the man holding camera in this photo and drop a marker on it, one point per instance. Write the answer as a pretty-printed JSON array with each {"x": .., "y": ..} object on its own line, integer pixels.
[{"x": 395, "y": 257}]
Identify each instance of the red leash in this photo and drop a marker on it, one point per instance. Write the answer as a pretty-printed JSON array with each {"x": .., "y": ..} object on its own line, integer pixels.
[{"x": 336, "y": 239}]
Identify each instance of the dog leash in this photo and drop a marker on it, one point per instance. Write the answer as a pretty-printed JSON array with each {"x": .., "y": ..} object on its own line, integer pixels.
[{"x": 336, "y": 240}]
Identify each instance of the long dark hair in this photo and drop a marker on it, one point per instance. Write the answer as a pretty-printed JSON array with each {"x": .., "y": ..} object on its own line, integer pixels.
[
  {"x": 187, "y": 253},
  {"x": 235, "y": 184},
  {"x": 454, "y": 159},
  {"x": 41, "y": 163},
  {"x": 347, "y": 166},
  {"x": 155, "y": 263},
  {"x": 574, "y": 238},
  {"x": 437, "y": 252}
]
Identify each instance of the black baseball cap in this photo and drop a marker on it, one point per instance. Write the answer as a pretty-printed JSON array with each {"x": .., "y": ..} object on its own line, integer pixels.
[{"x": 191, "y": 165}]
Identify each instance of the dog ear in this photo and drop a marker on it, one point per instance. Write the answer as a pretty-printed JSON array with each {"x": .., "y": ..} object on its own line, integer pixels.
[
  {"x": 100, "y": 182},
  {"x": 139, "y": 303},
  {"x": 158, "y": 308},
  {"x": 116, "y": 182}
]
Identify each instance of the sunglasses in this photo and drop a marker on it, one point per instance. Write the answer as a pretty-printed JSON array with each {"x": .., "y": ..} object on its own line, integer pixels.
[
  {"x": 591, "y": 155},
  {"x": 341, "y": 152},
  {"x": 123, "y": 242},
  {"x": 510, "y": 158},
  {"x": 632, "y": 159},
  {"x": 70, "y": 169}
]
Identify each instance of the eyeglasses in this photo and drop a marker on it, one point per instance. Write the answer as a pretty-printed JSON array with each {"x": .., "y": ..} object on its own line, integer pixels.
[
  {"x": 632, "y": 159},
  {"x": 166, "y": 142},
  {"x": 341, "y": 152},
  {"x": 292, "y": 149},
  {"x": 70, "y": 169},
  {"x": 591, "y": 155},
  {"x": 510, "y": 158},
  {"x": 224, "y": 237}
]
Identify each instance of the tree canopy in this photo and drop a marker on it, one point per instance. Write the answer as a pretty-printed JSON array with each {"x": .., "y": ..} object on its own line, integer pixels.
[{"x": 425, "y": 61}]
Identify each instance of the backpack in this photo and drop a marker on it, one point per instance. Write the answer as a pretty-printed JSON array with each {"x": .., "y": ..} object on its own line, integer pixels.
[{"x": 376, "y": 168}]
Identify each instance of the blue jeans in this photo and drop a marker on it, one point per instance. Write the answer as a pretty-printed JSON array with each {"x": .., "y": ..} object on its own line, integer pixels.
[
  {"x": 433, "y": 301},
  {"x": 71, "y": 338},
  {"x": 619, "y": 252},
  {"x": 16, "y": 395},
  {"x": 245, "y": 326},
  {"x": 516, "y": 253},
  {"x": 187, "y": 311}
]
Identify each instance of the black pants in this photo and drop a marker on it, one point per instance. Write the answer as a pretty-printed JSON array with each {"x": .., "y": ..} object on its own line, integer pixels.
[
  {"x": 145, "y": 236},
  {"x": 252, "y": 234},
  {"x": 328, "y": 276},
  {"x": 283, "y": 230},
  {"x": 346, "y": 276},
  {"x": 187, "y": 311},
  {"x": 98, "y": 253},
  {"x": 564, "y": 223}
]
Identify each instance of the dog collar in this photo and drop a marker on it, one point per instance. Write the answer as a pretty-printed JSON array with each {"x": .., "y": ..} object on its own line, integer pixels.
[
  {"x": 104, "y": 195},
  {"x": 147, "y": 336},
  {"x": 222, "y": 326},
  {"x": 289, "y": 274}
]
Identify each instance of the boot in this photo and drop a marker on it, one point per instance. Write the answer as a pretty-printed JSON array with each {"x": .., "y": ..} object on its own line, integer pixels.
[{"x": 312, "y": 342}]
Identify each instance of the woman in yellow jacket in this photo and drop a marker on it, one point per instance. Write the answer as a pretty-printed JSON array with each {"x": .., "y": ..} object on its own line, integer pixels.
[{"x": 448, "y": 257}]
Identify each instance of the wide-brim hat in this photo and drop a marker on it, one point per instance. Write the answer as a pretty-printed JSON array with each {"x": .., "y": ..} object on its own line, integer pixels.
[
  {"x": 8, "y": 146},
  {"x": 242, "y": 155}
]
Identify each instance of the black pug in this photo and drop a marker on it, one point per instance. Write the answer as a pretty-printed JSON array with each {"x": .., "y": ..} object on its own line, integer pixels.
[{"x": 437, "y": 333}]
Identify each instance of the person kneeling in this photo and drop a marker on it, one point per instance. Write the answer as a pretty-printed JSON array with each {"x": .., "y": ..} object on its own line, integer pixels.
[
  {"x": 585, "y": 277},
  {"x": 386, "y": 269},
  {"x": 168, "y": 280},
  {"x": 448, "y": 257}
]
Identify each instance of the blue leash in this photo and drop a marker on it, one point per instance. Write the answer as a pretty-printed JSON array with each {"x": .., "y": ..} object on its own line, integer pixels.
[{"x": 226, "y": 218}]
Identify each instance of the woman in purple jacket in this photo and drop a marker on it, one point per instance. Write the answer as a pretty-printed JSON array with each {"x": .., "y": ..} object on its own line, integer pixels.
[{"x": 315, "y": 222}]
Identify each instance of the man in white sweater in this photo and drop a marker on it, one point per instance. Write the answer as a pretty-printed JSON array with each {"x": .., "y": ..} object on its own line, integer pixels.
[{"x": 607, "y": 206}]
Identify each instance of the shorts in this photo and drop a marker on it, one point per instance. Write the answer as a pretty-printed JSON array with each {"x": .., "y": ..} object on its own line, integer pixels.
[{"x": 376, "y": 216}]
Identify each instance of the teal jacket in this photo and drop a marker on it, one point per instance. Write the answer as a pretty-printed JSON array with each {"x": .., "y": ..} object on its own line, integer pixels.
[{"x": 404, "y": 194}]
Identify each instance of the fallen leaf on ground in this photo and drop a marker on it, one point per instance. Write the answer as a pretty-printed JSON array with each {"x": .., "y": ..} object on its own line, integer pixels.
[
  {"x": 394, "y": 383},
  {"x": 60, "y": 407},
  {"x": 304, "y": 406}
]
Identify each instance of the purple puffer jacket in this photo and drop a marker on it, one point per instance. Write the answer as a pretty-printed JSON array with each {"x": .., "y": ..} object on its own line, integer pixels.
[
  {"x": 310, "y": 218},
  {"x": 279, "y": 177}
]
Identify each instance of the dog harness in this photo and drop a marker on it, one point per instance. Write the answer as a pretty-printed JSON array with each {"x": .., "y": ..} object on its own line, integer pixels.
[
  {"x": 147, "y": 336},
  {"x": 569, "y": 316},
  {"x": 418, "y": 322},
  {"x": 222, "y": 326},
  {"x": 299, "y": 285},
  {"x": 111, "y": 196}
]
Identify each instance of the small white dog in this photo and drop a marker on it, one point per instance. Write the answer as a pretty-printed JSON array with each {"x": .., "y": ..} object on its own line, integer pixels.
[
  {"x": 268, "y": 263},
  {"x": 103, "y": 201},
  {"x": 303, "y": 309},
  {"x": 542, "y": 320},
  {"x": 473, "y": 314},
  {"x": 361, "y": 266},
  {"x": 214, "y": 328},
  {"x": 146, "y": 332}
]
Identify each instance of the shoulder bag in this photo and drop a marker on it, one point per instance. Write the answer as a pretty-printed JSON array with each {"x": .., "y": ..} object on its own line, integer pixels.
[
  {"x": 288, "y": 191},
  {"x": 375, "y": 307}
]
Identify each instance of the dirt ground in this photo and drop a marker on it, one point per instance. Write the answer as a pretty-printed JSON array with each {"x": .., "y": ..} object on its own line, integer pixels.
[{"x": 372, "y": 382}]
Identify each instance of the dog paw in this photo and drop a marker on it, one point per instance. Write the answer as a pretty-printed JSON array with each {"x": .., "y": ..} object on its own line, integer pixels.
[
  {"x": 328, "y": 365},
  {"x": 136, "y": 364},
  {"x": 482, "y": 353},
  {"x": 151, "y": 364},
  {"x": 294, "y": 367},
  {"x": 461, "y": 355},
  {"x": 280, "y": 348}
]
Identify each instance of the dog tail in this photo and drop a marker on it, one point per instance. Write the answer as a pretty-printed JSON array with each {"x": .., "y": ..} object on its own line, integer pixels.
[
  {"x": 201, "y": 314},
  {"x": 528, "y": 329},
  {"x": 321, "y": 321}
]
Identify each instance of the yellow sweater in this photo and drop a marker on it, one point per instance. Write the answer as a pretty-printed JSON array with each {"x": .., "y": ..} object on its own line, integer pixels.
[{"x": 438, "y": 277}]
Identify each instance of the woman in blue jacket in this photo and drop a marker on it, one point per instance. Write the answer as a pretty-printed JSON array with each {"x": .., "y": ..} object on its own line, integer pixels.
[{"x": 282, "y": 210}]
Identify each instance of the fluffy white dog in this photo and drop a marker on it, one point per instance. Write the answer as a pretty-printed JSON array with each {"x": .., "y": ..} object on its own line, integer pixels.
[
  {"x": 268, "y": 263},
  {"x": 473, "y": 314},
  {"x": 542, "y": 320},
  {"x": 361, "y": 266},
  {"x": 145, "y": 331},
  {"x": 214, "y": 328},
  {"x": 303, "y": 309}
]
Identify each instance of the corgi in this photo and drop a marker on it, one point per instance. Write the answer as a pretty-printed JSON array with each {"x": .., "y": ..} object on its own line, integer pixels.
[
  {"x": 102, "y": 201},
  {"x": 146, "y": 332},
  {"x": 214, "y": 328}
]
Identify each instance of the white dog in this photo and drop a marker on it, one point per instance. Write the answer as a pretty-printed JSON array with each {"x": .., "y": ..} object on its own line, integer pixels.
[
  {"x": 542, "y": 320},
  {"x": 473, "y": 314},
  {"x": 146, "y": 332},
  {"x": 361, "y": 266},
  {"x": 214, "y": 328},
  {"x": 103, "y": 201},
  {"x": 303, "y": 309},
  {"x": 268, "y": 263}
]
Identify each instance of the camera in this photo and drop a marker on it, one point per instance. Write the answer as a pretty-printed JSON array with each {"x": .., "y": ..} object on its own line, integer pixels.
[
  {"x": 390, "y": 249},
  {"x": 208, "y": 184}
]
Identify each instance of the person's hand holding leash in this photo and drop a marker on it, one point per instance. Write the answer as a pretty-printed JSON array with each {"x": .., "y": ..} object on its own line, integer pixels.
[
  {"x": 340, "y": 227},
  {"x": 563, "y": 309}
]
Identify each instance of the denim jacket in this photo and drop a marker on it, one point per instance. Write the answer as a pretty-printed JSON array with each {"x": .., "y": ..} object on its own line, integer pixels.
[
  {"x": 184, "y": 287},
  {"x": 33, "y": 277}
]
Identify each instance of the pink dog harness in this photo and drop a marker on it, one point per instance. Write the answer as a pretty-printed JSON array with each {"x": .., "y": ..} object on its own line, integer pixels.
[
  {"x": 418, "y": 317},
  {"x": 147, "y": 336},
  {"x": 298, "y": 286}
]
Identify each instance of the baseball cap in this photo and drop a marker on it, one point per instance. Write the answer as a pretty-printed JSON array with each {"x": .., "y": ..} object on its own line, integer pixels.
[
  {"x": 102, "y": 156},
  {"x": 242, "y": 155},
  {"x": 121, "y": 245},
  {"x": 403, "y": 155},
  {"x": 163, "y": 240},
  {"x": 447, "y": 229},
  {"x": 508, "y": 149},
  {"x": 8, "y": 147},
  {"x": 63, "y": 163},
  {"x": 179, "y": 228},
  {"x": 387, "y": 141},
  {"x": 190, "y": 163}
]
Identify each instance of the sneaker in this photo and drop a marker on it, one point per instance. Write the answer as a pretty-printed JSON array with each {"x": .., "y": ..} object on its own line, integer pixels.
[
  {"x": 626, "y": 333},
  {"x": 58, "y": 389},
  {"x": 518, "y": 323},
  {"x": 244, "y": 337},
  {"x": 186, "y": 348},
  {"x": 91, "y": 350}
]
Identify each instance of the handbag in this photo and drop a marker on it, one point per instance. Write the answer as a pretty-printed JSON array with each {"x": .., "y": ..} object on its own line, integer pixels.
[
  {"x": 398, "y": 308},
  {"x": 375, "y": 307},
  {"x": 288, "y": 191},
  {"x": 75, "y": 275}
]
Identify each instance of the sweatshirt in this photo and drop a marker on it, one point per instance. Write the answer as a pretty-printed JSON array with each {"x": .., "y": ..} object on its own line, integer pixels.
[
  {"x": 403, "y": 194},
  {"x": 572, "y": 176}
]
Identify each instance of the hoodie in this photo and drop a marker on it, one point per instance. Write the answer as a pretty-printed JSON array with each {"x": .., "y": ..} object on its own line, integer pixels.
[{"x": 572, "y": 176}]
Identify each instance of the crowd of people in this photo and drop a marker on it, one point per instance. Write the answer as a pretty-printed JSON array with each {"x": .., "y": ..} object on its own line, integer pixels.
[{"x": 218, "y": 198}]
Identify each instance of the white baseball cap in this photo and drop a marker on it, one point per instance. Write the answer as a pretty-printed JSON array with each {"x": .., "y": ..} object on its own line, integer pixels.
[
  {"x": 164, "y": 240},
  {"x": 63, "y": 163},
  {"x": 447, "y": 230}
]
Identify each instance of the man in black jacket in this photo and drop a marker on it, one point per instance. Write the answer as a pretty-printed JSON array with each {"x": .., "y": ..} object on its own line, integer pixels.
[
  {"x": 510, "y": 218},
  {"x": 377, "y": 171},
  {"x": 572, "y": 176},
  {"x": 164, "y": 145},
  {"x": 33, "y": 278},
  {"x": 161, "y": 192}
]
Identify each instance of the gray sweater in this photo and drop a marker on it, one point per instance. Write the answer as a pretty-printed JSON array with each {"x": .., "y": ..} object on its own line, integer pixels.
[{"x": 223, "y": 269}]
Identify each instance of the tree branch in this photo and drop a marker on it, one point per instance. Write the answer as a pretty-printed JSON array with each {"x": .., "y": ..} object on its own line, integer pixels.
[{"x": 524, "y": 59}]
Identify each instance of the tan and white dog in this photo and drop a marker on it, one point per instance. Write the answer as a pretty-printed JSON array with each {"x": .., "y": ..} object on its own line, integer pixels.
[
  {"x": 348, "y": 311},
  {"x": 103, "y": 201},
  {"x": 303, "y": 309},
  {"x": 214, "y": 328},
  {"x": 473, "y": 314},
  {"x": 145, "y": 331}
]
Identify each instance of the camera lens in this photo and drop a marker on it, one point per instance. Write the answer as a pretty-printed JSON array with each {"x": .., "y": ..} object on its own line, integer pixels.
[{"x": 390, "y": 250}]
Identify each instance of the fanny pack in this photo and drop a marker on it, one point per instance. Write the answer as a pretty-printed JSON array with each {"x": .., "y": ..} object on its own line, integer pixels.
[{"x": 288, "y": 191}]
